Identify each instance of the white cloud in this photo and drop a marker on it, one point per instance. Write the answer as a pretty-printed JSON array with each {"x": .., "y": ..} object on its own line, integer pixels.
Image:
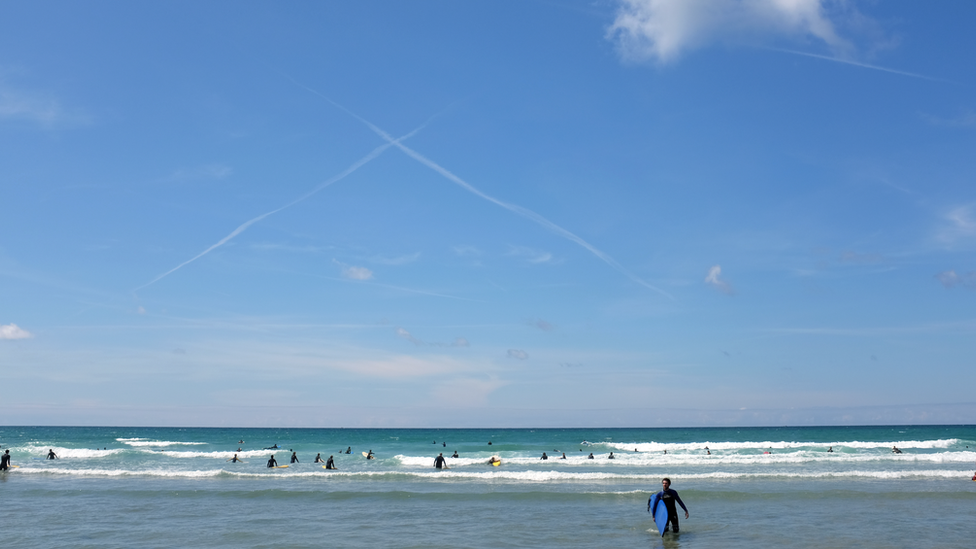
[
  {"x": 713, "y": 279},
  {"x": 854, "y": 257},
  {"x": 531, "y": 255},
  {"x": 354, "y": 273},
  {"x": 141, "y": 310},
  {"x": 12, "y": 331},
  {"x": 408, "y": 336},
  {"x": 662, "y": 30},
  {"x": 950, "y": 279},
  {"x": 209, "y": 171},
  {"x": 466, "y": 251},
  {"x": 517, "y": 354},
  {"x": 398, "y": 260},
  {"x": 34, "y": 107},
  {"x": 959, "y": 224}
]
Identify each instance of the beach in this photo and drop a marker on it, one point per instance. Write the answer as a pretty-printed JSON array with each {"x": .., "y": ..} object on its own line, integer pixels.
[{"x": 171, "y": 487}]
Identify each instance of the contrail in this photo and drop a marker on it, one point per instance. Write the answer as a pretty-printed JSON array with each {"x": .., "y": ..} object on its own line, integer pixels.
[
  {"x": 355, "y": 166},
  {"x": 864, "y": 65},
  {"x": 524, "y": 212}
]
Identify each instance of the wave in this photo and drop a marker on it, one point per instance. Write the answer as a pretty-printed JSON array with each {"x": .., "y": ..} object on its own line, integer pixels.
[
  {"x": 149, "y": 442},
  {"x": 519, "y": 476},
  {"x": 781, "y": 445}
]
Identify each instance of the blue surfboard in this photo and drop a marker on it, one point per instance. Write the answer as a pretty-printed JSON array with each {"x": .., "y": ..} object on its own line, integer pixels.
[{"x": 660, "y": 513}]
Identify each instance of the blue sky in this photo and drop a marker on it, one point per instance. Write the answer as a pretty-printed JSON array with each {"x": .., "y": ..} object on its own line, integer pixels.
[{"x": 611, "y": 213}]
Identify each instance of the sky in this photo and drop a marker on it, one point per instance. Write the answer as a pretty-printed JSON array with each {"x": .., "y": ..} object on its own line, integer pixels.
[{"x": 533, "y": 213}]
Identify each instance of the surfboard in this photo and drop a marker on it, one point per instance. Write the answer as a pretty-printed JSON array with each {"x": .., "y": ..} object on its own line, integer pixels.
[
  {"x": 496, "y": 463},
  {"x": 365, "y": 454},
  {"x": 660, "y": 513},
  {"x": 280, "y": 467}
]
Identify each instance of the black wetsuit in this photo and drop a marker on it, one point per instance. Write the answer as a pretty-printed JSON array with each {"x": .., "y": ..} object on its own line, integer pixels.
[
  {"x": 234, "y": 459},
  {"x": 439, "y": 461},
  {"x": 670, "y": 496},
  {"x": 330, "y": 464},
  {"x": 294, "y": 458},
  {"x": 52, "y": 455},
  {"x": 272, "y": 463},
  {"x": 4, "y": 462}
]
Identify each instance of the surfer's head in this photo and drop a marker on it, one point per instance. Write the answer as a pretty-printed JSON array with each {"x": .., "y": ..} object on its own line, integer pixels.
[{"x": 666, "y": 482}]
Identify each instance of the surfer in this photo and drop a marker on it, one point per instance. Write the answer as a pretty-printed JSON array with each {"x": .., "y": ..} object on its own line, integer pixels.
[
  {"x": 895, "y": 450},
  {"x": 669, "y": 496},
  {"x": 369, "y": 455},
  {"x": 240, "y": 441},
  {"x": 610, "y": 456},
  {"x": 275, "y": 447},
  {"x": 564, "y": 456},
  {"x": 349, "y": 450},
  {"x": 51, "y": 455},
  {"x": 294, "y": 457},
  {"x": 489, "y": 443},
  {"x": 272, "y": 463},
  {"x": 494, "y": 460},
  {"x": 830, "y": 450},
  {"x": 330, "y": 464},
  {"x": 455, "y": 454},
  {"x": 318, "y": 458},
  {"x": 234, "y": 459},
  {"x": 5, "y": 461},
  {"x": 439, "y": 461},
  {"x": 544, "y": 456},
  {"x": 590, "y": 456}
]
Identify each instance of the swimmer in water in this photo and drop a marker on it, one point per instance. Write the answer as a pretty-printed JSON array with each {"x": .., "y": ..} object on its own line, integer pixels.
[
  {"x": 51, "y": 455},
  {"x": 318, "y": 458},
  {"x": 330, "y": 464},
  {"x": 272, "y": 463},
  {"x": 234, "y": 459}
]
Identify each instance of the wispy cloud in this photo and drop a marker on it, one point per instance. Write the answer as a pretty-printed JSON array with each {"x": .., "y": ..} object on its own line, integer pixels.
[
  {"x": 354, "y": 273},
  {"x": 466, "y": 251},
  {"x": 661, "y": 30},
  {"x": 531, "y": 255},
  {"x": 38, "y": 108},
  {"x": 395, "y": 260},
  {"x": 517, "y": 354},
  {"x": 524, "y": 212},
  {"x": 951, "y": 279},
  {"x": 713, "y": 279},
  {"x": 543, "y": 325},
  {"x": 12, "y": 331},
  {"x": 458, "y": 341},
  {"x": 341, "y": 175},
  {"x": 958, "y": 224},
  {"x": 854, "y": 257},
  {"x": 965, "y": 120}
]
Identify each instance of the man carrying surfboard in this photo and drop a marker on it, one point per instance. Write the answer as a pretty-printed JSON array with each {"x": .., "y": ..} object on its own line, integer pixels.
[
  {"x": 440, "y": 462},
  {"x": 668, "y": 497},
  {"x": 5, "y": 461},
  {"x": 272, "y": 463}
]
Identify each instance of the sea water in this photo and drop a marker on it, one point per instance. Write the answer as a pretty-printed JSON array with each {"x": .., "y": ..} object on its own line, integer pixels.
[{"x": 744, "y": 487}]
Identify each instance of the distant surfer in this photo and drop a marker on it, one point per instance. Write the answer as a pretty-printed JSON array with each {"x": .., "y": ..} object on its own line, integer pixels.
[
  {"x": 349, "y": 450},
  {"x": 275, "y": 447},
  {"x": 439, "y": 461},
  {"x": 455, "y": 454},
  {"x": 590, "y": 456},
  {"x": 489, "y": 443},
  {"x": 330, "y": 464},
  {"x": 272, "y": 463},
  {"x": 51, "y": 455},
  {"x": 669, "y": 496},
  {"x": 294, "y": 457},
  {"x": 830, "y": 450},
  {"x": 665, "y": 451},
  {"x": 564, "y": 456},
  {"x": 610, "y": 456},
  {"x": 369, "y": 455},
  {"x": 5, "y": 461},
  {"x": 234, "y": 459},
  {"x": 318, "y": 458},
  {"x": 444, "y": 444},
  {"x": 494, "y": 460},
  {"x": 240, "y": 441},
  {"x": 895, "y": 450},
  {"x": 544, "y": 456}
]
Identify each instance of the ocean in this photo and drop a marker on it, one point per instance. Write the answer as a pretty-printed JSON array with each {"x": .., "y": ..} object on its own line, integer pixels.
[{"x": 744, "y": 487}]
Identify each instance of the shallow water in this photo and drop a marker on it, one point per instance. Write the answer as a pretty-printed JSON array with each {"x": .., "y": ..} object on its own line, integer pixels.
[{"x": 174, "y": 487}]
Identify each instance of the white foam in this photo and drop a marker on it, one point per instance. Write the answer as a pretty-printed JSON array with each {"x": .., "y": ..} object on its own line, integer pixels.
[
  {"x": 660, "y": 447},
  {"x": 147, "y": 442}
]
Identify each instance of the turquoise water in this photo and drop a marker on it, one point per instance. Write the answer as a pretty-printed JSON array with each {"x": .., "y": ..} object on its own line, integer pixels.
[{"x": 169, "y": 487}]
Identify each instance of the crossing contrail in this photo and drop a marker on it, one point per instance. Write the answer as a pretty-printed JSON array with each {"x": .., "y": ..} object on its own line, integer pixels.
[
  {"x": 243, "y": 227},
  {"x": 524, "y": 212}
]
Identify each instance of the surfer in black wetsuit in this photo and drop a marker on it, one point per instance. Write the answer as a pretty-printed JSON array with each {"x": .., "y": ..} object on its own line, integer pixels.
[
  {"x": 590, "y": 456},
  {"x": 369, "y": 455},
  {"x": 455, "y": 454},
  {"x": 5, "y": 461},
  {"x": 234, "y": 459},
  {"x": 669, "y": 496},
  {"x": 294, "y": 457},
  {"x": 439, "y": 461},
  {"x": 544, "y": 456},
  {"x": 51, "y": 455},
  {"x": 330, "y": 464},
  {"x": 610, "y": 456},
  {"x": 318, "y": 458},
  {"x": 275, "y": 447},
  {"x": 272, "y": 463},
  {"x": 349, "y": 450}
]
